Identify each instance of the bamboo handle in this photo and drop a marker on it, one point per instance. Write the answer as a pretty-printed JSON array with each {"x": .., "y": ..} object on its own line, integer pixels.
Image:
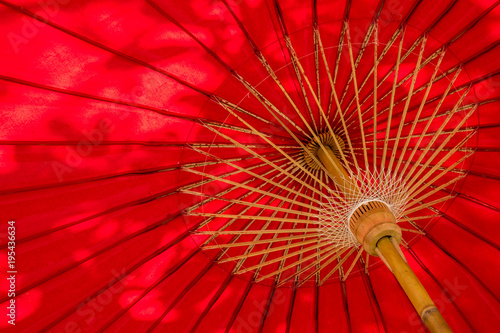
[{"x": 415, "y": 291}]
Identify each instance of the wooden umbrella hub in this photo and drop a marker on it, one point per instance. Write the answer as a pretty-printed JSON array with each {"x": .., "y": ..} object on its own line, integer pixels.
[
  {"x": 372, "y": 221},
  {"x": 335, "y": 143}
]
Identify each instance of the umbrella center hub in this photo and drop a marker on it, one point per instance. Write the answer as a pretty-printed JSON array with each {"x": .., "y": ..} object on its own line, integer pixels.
[
  {"x": 334, "y": 142},
  {"x": 370, "y": 222}
]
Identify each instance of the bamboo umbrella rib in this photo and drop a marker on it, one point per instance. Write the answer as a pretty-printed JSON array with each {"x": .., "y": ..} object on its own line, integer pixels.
[
  {"x": 435, "y": 190},
  {"x": 268, "y": 68},
  {"x": 318, "y": 266},
  {"x": 271, "y": 143},
  {"x": 224, "y": 161},
  {"x": 318, "y": 257},
  {"x": 437, "y": 150},
  {"x": 301, "y": 84},
  {"x": 366, "y": 39},
  {"x": 229, "y": 145},
  {"x": 287, "y": 256},
  {"x": 404, "y": 98},
  {"x": 356, "y": 92},
  {"x": 247, "y": 232},
  {"x": 329, "y": 249},
  {"x": 430, "y": 120},
  {"x": 424, "y": 206},
  {"x": 333, "y": 80},
  {"x": 250, "y": 217},
  {"x": 255, "y": 131},
  {"x": 227, "y": 225},
  {"x": 229, "y": 206},
  {"x": 399, "y": 84},
  {"x": 382, "y": 55},
  {"x": 339, "y": 108},
  {"x": 314, "y": 133},
  {"x": 276, "y": 167},
  {"x": 387, "y": 75},
  {"x": 265, "y": 241},
  {"x": 274, "y": 111},
  {"x": 227, "y": 174},
  {"x": 204, "y": 174},
  {"x": 445, "y": 141},
  {"x": 323, "y": 265},
  {"x": 289, "y": 242},
  {"x": 209, "y": 180},
  {"x": 248, "y": 225},
  {"x": 282, "y": 262},
  {"x": 316, "y": 65},
  {"x": 240, "y": 129},
  {"x": 444, "y": 172},
  {"x": 375, "y": 101},
  {"x": 284, "y": 154},
  {"x": 283, "y": 90},
  {"x": 413, "y": 231},
  {"x": 206, "y": 181},
  {"x": 422, "y": 217},
  {"x": 403, "y": 80},
  {"x": 417, "y": 227},
  {"x": 243, "y": 111},
  {"x": 338, "y": 266},
  {"x": 447, "y": 112},
  {"x": 407, "y": 104},
  {"x": 268, "y": 250},
  {"x": 339, "y": 53},
  {"x": 251, "y": 204},
  {"x": 360, "y": 251},
  {"x": 463, "y": 149},
  {"x": 447, "y": 169},
  {"x": 392, "y": 100},
  {"x": 322, "y": 113},
  {"x": 300, "y": 270},
  {"x": 286, "y": 38},
  {"x": 415, "y": 136},
  {"x": 251, "y": 247},
  {"x": 251, "y": 173},
  {"x": 318, "y": 250}
]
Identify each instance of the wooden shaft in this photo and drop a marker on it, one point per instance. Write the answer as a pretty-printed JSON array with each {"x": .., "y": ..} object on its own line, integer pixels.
[
  {"x": 326, "y": 156},
  {"x": 391, "y": 256},
  {"x": 415, "y": 291}
]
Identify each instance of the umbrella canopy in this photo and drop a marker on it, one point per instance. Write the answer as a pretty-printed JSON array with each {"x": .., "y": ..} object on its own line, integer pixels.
[{"x": 201, "y": 165}]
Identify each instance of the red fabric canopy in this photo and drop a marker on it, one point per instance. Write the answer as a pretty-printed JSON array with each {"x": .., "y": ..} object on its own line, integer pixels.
[{"x": 104, "y": 105}]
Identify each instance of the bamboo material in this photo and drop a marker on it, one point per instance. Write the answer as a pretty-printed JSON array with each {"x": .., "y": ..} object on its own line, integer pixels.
[
  {"x": 337, "y": 103},
  {"x": 265, "y": 241},
  {"x": 250, "y": 248},
  {"x": 356, "y": 93},
  {"x": 373, "y": 225},
  {"x": 421, "y": 107},
  {"x": 252, "y": 217},
  {"x": 415, "y": 291},
  {"x": 375, "y": 65},
  {"x": 365, "y": 81},
  {"x": 342, "y": 178},
  {"x": 391, "y": 105},
  {"x": 407, "y": 104}
]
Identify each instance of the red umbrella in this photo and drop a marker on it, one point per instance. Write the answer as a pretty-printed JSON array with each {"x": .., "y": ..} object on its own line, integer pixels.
[{"x": 250, "y": 166}]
